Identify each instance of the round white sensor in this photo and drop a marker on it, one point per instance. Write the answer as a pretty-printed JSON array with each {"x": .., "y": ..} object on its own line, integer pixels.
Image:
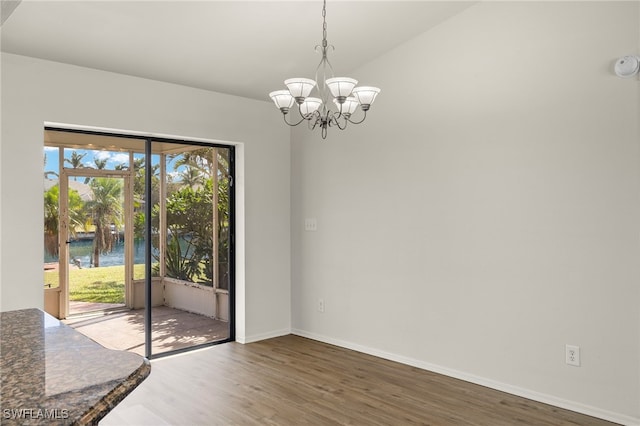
[{"x": 627, "y": 66}]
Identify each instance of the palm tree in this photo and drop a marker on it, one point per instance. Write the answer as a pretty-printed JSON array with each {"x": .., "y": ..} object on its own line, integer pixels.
[
  {"x": 101, "y": 163},
  {"x": 75, "y": 161},
  {"x": 51, "y": 221},
  {"x": 106, "y": 210},
  {"x": 51, "y": 216},
  {"x": 140, "y": 169},
  {"x": 191, "y": 176},
  {"x": 200, "y": 159}
]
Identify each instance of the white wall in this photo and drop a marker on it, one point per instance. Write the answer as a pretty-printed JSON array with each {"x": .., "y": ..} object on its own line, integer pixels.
[
  {"x": 1, "y": 175},
  {"x": 488, "y": 211},
  {"x": 35, "y": 91}
]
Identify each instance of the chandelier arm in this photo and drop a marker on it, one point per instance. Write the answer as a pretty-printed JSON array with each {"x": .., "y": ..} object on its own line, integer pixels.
[
  {"x": 313, "y": 123},
  {"x": 358, "y": 122},
  {"x": 336, "y": 120},
  {"x": 284, "y": 116}
]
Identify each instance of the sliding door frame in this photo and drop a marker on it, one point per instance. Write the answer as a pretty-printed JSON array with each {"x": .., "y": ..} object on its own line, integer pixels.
[{"x": 147, "y": 142}]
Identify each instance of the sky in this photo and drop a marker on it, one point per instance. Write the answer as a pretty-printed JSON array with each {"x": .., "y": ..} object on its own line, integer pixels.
[{"x": 113, "y": 158}]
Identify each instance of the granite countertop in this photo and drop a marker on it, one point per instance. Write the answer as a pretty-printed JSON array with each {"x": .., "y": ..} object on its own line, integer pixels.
[{"x": 51, "y": 374}]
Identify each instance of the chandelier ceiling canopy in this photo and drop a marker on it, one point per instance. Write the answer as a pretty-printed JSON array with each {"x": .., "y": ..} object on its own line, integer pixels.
[{"x": 316, "y": 110}]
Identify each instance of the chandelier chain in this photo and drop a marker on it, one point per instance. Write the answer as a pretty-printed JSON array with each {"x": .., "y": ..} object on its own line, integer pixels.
[{"x": 324, "y": 24}]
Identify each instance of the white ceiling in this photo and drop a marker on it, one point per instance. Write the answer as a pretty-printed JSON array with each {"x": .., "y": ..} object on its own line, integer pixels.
[{"x": 243, "y": 48}]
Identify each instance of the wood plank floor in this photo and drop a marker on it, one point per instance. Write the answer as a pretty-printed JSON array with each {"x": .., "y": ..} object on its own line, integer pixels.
[{"x": 291, "y": 380}]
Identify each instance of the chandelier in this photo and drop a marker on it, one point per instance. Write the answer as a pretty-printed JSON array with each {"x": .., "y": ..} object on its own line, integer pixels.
[{"x": 316, "y": 111}]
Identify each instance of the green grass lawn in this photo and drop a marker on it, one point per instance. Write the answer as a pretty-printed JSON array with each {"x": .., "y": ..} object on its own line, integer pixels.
[{"x": 102, "y": 285}]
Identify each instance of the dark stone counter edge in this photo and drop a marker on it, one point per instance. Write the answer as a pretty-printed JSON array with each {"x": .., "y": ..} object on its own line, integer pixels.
[{"x": 94, "y": 414}]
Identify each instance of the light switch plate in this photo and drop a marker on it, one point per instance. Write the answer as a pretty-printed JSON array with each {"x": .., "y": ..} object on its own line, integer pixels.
[{"x": 310, "y": 224}]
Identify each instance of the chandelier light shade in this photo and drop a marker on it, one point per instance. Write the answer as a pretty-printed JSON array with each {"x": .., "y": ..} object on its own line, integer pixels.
[
  {"x": 282, "y": 99},
  {"x": 348, "y": 107},
  {"x": 341, "y": 87},
  {"x": 317, "y": 111},
  {"x": 310, "y": 105},
  {"x": 366, "y": 95},
  {"x": 300, "y": 87}
]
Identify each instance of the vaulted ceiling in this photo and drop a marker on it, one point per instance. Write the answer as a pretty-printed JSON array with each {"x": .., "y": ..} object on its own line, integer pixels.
[{"x": 243, "y": 48}]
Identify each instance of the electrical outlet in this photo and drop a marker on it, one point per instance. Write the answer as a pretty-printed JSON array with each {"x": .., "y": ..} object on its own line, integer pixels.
[
  {"x": 320, "y": 305},
  {"x": 572, "y": 355}
]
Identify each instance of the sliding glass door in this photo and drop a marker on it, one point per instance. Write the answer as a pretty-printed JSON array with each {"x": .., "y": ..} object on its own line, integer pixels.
[
  {"x": 157, "y": 217},
  {"x": 191, "y": 242}
]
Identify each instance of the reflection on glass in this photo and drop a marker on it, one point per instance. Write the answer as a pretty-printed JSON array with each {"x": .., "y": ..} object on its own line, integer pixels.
[
  {"x": 190, "y": 220},
  {"x": 197, "y": 217},
  {"x": 139, "y": 247}
]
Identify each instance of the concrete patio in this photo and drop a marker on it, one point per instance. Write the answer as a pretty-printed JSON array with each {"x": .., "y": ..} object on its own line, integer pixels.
[{"x": 171, "y": 329}]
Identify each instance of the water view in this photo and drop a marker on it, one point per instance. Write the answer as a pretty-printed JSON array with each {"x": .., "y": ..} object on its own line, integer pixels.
[{"x": 82, "y": 251}]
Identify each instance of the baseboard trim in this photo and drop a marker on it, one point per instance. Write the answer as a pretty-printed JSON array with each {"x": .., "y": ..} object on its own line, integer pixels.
[
  {"x": 263, "y": 336},
  {"x": 504, "y": 387}
]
